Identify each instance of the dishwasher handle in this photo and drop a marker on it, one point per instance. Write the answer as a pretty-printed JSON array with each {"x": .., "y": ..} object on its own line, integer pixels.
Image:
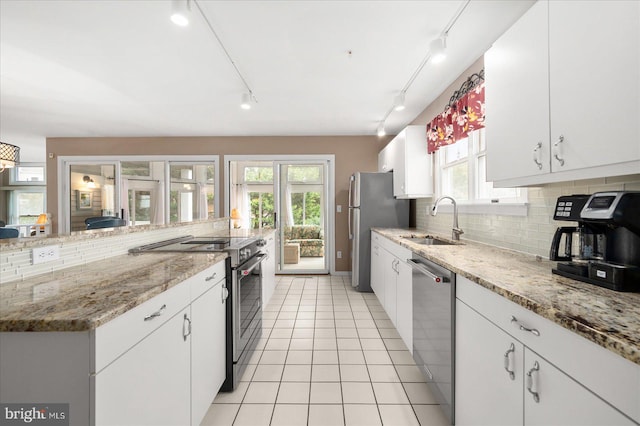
[{"x": 421, "y": 268}]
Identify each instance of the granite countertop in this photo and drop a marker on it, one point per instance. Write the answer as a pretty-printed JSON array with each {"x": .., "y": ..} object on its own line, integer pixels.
[
  {"x": 608, "y": 318},
  {"x": 84, "y": 297}
]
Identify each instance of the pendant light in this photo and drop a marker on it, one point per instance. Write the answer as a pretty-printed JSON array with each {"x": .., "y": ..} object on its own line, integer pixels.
[{"x": 9, "y": 156}]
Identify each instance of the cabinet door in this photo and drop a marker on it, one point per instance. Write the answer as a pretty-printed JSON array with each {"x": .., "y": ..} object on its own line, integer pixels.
[
  {"x": 390, "y": 274},
  {"x": 404, "y": 298},
  {"x": 207, "y": 349},
  {"x": 150, "y": 384},
  {"x": 486, "y": 393},
  {"x": 517, "y": 99},
  {"x": 594, "y": 49},
  {"x": 269, "y": 271},
  {"x": 377, "y": 269},
  {"x": 399, "y": 167},
  {"x": 561, "y": 400}
]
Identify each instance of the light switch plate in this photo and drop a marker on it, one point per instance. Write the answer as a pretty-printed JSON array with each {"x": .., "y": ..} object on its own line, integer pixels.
[{"x": 44, "y": 254}]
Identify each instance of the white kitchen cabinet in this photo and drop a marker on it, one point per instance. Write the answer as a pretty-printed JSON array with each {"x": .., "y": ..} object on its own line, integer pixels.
[
  {"x": 390, "y": 263},
  {"x": 391, "y": 281},
  {"x": 561, "y": 400},
  {"x": 268, "y": 269},
  {"x": 577, "y": 382},
  {"x": 407, "y": 156},
  {"x": 556, "y": 110},
  {"x": 404, "y": 303},
  {"x": 486, "y": 393},
  {"x": 150, "y": 383},
  {"x": 208, "y": 314},
  {"x": 377, "y": 267}
]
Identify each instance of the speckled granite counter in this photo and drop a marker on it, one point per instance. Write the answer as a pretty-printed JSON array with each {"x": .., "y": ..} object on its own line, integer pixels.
[
  {"x": 84, "y": 297},
  {"x": 608, "y": 318}
]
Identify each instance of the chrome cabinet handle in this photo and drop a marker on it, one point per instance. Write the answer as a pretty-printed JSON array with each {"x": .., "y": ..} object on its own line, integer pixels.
[
  {"x": 522, "y": 327},
  {"x": 211, "y": 277},
  {"x": 225, "y": 293},
  {"x": 557, "y": 149},
  {"x": 187, "y": 323},
  {"x": 156, "y": 313},
  {"x": 536, "y": 155},
  {"x": 507, "y": 361},
  {"x": 536, "y": 395}
]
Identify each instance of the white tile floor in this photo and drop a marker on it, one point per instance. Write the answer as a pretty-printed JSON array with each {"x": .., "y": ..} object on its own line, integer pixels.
[{"x": 328, "y": 356}]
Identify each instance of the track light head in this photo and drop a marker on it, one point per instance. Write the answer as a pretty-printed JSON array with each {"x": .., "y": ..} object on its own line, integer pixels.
[
  {"x": 381, "y": 131},
  {"x": 398, "y": 102},
  {"x": 437, "y": 50},
  {"x": 180, "y": 12},
  {"x": 246, "y": 101}
]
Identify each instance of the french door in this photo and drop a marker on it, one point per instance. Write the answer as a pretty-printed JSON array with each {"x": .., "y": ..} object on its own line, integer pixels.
[{"x": 290, "y": 196}]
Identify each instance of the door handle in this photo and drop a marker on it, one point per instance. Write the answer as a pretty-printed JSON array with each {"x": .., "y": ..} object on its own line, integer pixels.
[
  {"x": 186, "y": 325},
  {"x": 507, "y": 361},
  {"x": 536, "y": 395}
]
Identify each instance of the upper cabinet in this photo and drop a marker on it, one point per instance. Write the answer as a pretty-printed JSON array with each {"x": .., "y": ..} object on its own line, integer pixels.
[
  {"x": 562, "y": 94},
  {"x": 407, "y": 156}
]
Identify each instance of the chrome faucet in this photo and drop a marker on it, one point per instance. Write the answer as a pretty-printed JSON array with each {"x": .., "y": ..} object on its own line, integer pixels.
[{"x": 456, "y": 231}]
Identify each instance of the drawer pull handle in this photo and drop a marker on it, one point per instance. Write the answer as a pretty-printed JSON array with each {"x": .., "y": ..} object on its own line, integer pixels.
[
  {"x": 187, "y": 323},
  {"x": 156, "y": 313},
  {"x": 211, "y": 277},
  {"x": 536, "y": 395},
  {"x": 522, "y": 327},
  {"x": 507, "y": 361},
  {"x": 225, "y": 293}
]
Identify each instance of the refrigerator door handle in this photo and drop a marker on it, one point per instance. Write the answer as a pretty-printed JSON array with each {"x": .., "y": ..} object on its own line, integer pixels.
[
  {"x": 350, "y": 215},
  {"x": 352, "y": 180}
]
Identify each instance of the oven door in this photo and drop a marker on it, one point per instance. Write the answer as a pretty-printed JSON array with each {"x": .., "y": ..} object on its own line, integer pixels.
[{"x": 247, "y": 317}]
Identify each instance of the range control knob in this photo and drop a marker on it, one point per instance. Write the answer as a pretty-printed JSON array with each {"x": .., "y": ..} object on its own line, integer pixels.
[{"x": 262, "y": 242}]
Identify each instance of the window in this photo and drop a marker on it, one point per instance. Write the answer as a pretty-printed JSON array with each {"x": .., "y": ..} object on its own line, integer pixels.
[
  {"x": 306, "y": 208},
  {"x": 26, "y": 205},
  {"x": 463, "y": 174},
  {"x": 28, "y": 174},
  {"x": 191, "y": 195}
]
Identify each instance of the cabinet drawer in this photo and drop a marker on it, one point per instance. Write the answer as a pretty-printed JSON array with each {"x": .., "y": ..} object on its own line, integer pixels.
[
  {"x": 118, "y": 335},
  {"x": 203, "y": 281},
  {"x": 605, "y": 373}
]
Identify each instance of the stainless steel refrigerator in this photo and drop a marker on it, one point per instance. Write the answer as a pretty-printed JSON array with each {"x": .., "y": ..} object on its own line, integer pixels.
[{"x": 371, "y": 205}]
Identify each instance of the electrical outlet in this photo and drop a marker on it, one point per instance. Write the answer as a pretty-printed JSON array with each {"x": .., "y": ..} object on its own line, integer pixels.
[
  {"x": 339, "y": 208},
  {"x": 339, "y": 254},
  {"x": 45, "y": 254}
]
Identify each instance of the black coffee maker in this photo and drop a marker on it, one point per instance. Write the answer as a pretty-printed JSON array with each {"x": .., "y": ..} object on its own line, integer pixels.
[{"x": 604, "y": 248}]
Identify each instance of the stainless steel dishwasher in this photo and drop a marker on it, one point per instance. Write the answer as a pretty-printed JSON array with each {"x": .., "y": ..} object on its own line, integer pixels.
[{"x": 434, "y": 328}]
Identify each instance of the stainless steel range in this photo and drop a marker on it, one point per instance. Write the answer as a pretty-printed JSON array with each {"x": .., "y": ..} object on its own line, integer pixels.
[{"x": 244, "y": 279}]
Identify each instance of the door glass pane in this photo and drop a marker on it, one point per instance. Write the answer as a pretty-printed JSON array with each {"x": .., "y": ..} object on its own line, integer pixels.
[
  {"x": 92, "y": 193},
  {"x": 192, "y": 192},
  {"x": 302, "y": 217}
]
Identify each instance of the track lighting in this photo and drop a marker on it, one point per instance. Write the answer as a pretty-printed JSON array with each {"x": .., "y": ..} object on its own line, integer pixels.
[
  {"x": 246, "y": 101},
  {"x": 180, "y": 12},
  {"x": 381, "y": 131},
  {"x": 437, "y": 50},
  {"x": 398, "y": 103}
]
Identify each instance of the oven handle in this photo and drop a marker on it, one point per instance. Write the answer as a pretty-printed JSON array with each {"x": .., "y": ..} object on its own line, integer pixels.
[{"x": 254, "y": 264}]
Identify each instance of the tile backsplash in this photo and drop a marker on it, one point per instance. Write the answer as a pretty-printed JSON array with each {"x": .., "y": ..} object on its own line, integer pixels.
[
  {"x": 529, "y": 234},
  {"x": 83, "y": 248}
]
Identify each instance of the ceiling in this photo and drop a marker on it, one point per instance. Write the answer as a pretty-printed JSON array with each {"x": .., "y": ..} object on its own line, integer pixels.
[{"x": 122, "y": 68}]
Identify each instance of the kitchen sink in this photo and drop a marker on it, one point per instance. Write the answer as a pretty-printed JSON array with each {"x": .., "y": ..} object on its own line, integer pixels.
[{"x": 428, "y": 241}]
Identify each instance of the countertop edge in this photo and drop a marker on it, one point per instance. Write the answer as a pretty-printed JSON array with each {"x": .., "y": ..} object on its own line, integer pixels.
[{"x": 607, "y": 341}]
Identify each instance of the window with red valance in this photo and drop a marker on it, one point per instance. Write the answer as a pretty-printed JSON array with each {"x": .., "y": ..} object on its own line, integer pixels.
[{"x": 463, "y": 114}]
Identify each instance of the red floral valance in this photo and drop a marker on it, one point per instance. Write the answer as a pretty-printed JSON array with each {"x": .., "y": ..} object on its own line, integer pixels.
[{"x": 458, "y": 119}]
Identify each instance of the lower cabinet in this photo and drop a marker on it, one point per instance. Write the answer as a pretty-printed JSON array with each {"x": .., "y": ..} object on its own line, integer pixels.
[
  {"x": 502, "y": 381},
  {"x": 391, "y": 282},
  {"x": 269, "y": 270},
  {"x": 207, "y": 349},
  {"x": 150, "y": 383}
]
